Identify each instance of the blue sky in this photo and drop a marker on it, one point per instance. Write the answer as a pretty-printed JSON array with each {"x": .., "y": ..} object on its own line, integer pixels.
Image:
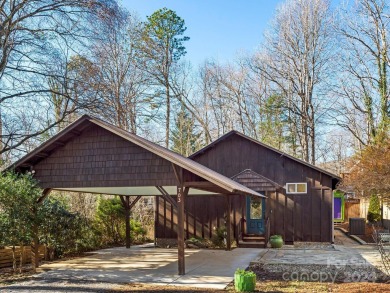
[{"x": 218, "y": 29}]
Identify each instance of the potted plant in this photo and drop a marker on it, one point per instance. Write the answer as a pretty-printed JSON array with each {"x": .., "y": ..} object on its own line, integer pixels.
[
  {"x": 244, "y": 281},
  {"x": 276, "y": 241}
]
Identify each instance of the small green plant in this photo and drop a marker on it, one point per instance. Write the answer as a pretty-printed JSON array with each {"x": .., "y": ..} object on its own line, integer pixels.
[
  {"x": 244, "y": 281},
  {"x": 276, "y": 241},
  {"x": 243, "y": 272}
]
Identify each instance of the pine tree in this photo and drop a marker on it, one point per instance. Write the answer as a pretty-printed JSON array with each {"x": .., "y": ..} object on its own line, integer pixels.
[{"x": 162, "y": 46}]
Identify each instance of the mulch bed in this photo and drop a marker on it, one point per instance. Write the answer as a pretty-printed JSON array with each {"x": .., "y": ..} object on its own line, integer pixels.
[{"x": 266, "y": 286}]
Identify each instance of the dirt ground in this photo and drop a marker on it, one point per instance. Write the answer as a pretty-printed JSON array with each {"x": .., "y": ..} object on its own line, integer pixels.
[
  {"x": 7, "y": 275},
  {"x": 268, "y": 286}
]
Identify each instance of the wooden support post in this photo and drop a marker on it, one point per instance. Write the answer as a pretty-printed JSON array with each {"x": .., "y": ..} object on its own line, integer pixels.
[
  {"x": 128, "y": 206},
  {"x": 127, "y": 215},
  {"x": 228, "y": 223},
  {"x": 156, "y": 219},
  {"x": 181, "y": 195}
]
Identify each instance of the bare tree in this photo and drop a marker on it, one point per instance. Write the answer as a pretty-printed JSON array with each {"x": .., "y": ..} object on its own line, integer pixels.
[
  {"x": 363, "y": 109},
  {"x": 296, "y": 59},
  {"x": 121, "y": 83},
  {"x": 37, "y": 37}
]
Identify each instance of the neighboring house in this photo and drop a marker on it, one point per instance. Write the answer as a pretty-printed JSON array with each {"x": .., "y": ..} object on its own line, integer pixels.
[
  {"x": 346, "y": 205},
  {"x": 299, "y": 195}
]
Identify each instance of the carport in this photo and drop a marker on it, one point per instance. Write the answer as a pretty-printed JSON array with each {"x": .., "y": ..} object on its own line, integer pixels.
[{"x": 93, "y": 156}]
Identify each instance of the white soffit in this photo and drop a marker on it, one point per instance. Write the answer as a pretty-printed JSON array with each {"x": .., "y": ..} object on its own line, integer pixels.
[{"x": 137, "y": 190}]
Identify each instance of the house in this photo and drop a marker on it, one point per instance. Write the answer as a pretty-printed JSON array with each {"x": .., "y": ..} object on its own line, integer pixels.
[
  {"x": 234, "y": 182},
  {"x": 298, "y": 203},
  {"x": 93, "y": 156}
]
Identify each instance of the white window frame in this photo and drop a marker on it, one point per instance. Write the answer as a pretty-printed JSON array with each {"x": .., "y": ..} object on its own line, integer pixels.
[{"x": 296, "y": 188}]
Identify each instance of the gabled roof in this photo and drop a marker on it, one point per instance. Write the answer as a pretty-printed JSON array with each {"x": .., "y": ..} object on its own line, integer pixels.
[
  {"x": 234, "y": 132},
  {"x": 256, "y": 181},
  {"x": 75, "y": 128}
]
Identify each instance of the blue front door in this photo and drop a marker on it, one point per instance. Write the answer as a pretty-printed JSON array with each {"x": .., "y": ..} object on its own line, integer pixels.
[{"x": 255, "y": 214}]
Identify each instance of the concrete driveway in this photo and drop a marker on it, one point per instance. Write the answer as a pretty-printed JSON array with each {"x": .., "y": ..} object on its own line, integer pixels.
[{"x": 142, "y": 264}]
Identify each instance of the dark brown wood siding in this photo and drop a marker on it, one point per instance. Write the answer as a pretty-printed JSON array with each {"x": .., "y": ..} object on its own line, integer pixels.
[
  {"x": 305, "y": 217},
  {"x": 99, "y": 158},
  {"x": 204, "y": 214}
]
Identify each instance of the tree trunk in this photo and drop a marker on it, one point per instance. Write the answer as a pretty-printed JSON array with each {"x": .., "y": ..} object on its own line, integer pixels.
[{"x": 167, "y": 125}]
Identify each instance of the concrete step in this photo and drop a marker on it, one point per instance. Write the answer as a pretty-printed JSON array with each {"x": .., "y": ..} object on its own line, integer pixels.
[
  {"x": 251, "y": 244},
  {"x": 253, "y": 239}
]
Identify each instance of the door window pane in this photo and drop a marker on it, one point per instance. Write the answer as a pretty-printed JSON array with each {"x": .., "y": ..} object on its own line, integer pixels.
[{"x": 256, "y": 208}]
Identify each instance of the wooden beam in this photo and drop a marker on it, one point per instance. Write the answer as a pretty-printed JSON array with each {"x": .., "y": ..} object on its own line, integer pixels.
[
  {"x": 167, "y": 197},
  {"x": 181, "y": 195},
  {"x": 123, "y": 201},
  {"x": 134, "y": 202},
  {"x": 178, "y": 174},
  {"x": 199, "y": 184},
  {"x": 228, "y": 223}
]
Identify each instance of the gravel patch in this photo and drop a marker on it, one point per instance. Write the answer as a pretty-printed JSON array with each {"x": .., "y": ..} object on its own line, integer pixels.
[{"x": 319, "y": 273}]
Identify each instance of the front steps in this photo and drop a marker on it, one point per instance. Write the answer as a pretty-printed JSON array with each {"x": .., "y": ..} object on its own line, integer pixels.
[{"x": 252, "y": 241}]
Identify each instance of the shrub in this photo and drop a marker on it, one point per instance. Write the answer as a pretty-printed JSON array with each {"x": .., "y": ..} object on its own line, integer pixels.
[
  {"x": 374, "y": 209},
  {"x": 218, "y": 238},
  {"x": 137, "y": 232}
]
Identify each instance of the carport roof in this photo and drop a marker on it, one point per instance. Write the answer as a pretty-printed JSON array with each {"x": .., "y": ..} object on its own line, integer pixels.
[{"x": 62, "y": 137}]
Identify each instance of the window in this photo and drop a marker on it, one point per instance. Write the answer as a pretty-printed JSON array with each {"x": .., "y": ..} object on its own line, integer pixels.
[
  {"x": 296, "y": 188},
  {"x": 256, "y": 208}
]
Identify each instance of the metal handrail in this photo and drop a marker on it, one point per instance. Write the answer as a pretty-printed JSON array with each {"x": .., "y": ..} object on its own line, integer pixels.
[
  {"x": 241, "y": 228},
  {"x": 382, "y": 240}
]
